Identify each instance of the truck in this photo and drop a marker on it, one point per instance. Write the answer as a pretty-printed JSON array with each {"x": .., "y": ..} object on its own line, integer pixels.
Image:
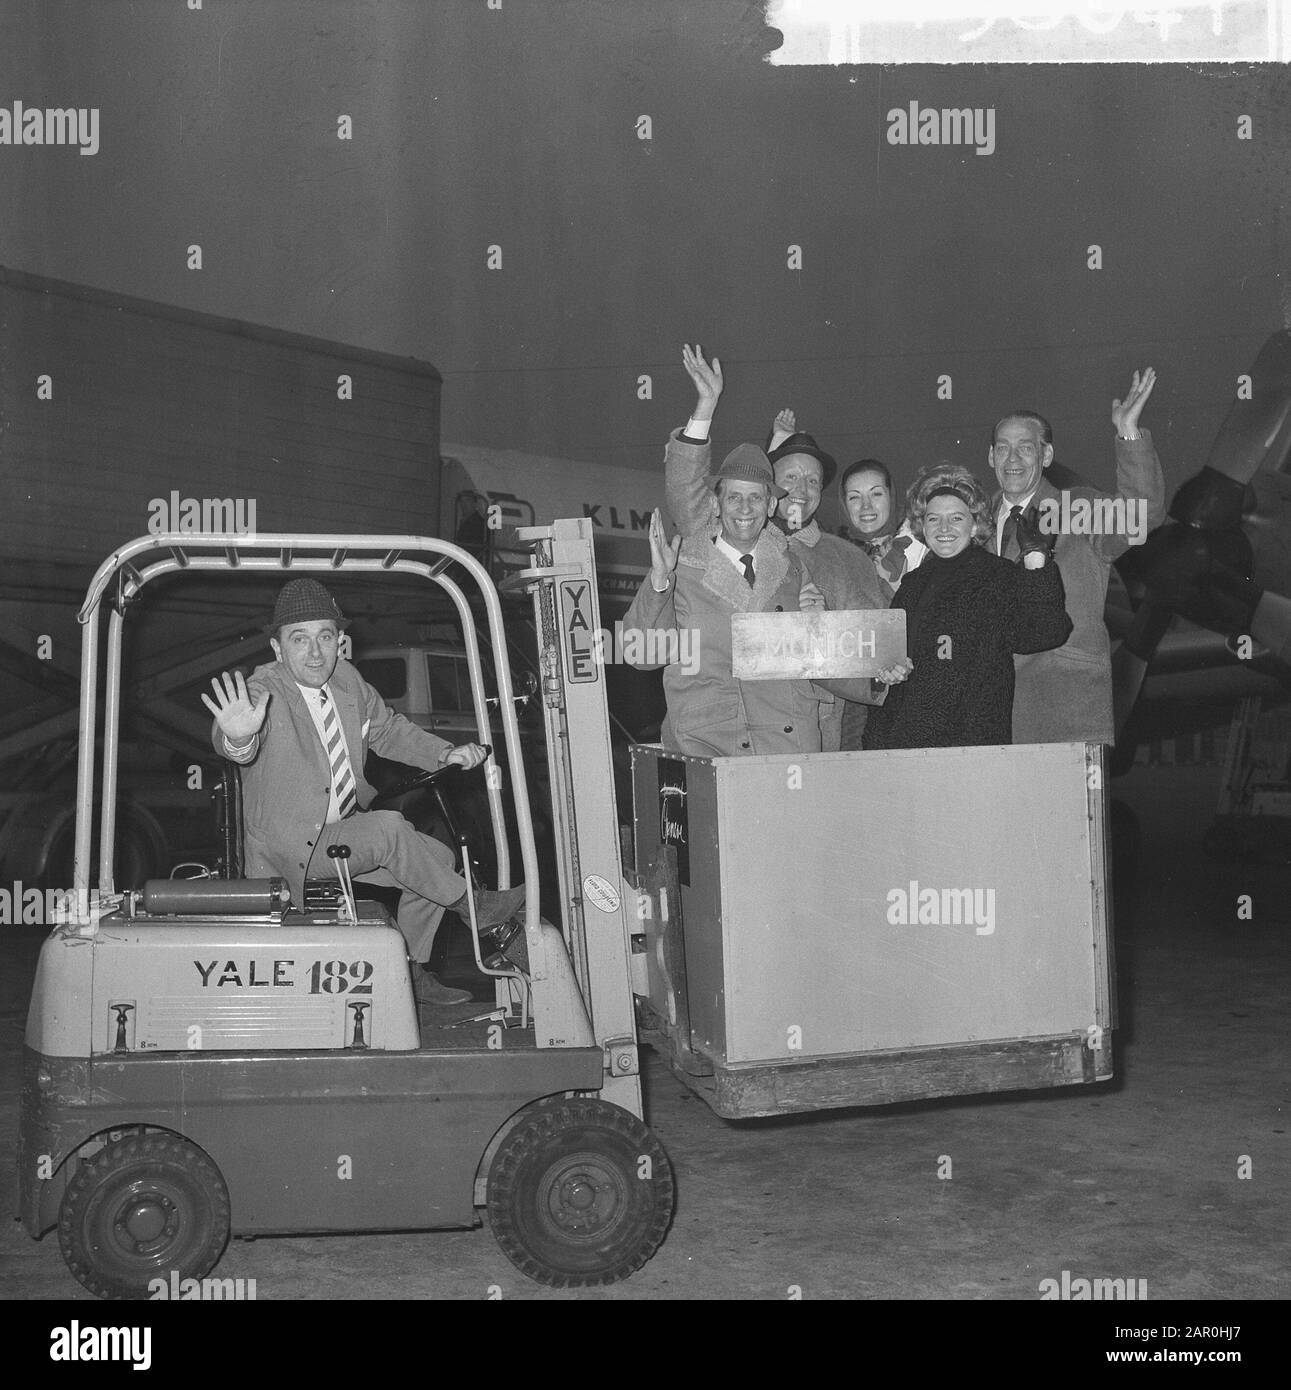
[{"x": 121, "y": 414}]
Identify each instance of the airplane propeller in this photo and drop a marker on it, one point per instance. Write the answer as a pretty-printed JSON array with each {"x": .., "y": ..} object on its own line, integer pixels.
[{"x": 1201, "y": 563}]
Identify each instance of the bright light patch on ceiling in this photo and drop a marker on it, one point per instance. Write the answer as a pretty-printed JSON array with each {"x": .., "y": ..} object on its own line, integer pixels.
[{"x": 838, "y": 32}]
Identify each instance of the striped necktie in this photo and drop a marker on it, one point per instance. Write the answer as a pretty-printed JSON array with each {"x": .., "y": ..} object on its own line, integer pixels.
[{"x": 338, "y": 756}]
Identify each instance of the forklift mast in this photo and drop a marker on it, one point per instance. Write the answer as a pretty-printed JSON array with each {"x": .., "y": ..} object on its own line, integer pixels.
[{"x": 599, "y": 909}]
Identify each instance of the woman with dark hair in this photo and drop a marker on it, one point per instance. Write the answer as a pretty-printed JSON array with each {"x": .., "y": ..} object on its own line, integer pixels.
[
  {"x": 967, "y": 612},
  {"x": 875, "y": 523}
]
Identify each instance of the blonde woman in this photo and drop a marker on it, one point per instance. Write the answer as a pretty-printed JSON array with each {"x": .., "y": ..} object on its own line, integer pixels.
[{"x": 967, "y": 612}]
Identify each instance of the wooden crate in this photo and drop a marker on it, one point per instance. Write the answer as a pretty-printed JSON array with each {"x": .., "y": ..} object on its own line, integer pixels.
[{"x": 788, "y": 978}]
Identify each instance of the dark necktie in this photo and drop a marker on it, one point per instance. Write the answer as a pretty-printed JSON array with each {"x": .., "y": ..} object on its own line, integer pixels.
[
  {"x": 1009, "y": 548},
  {"x": 747, "y": 562}
]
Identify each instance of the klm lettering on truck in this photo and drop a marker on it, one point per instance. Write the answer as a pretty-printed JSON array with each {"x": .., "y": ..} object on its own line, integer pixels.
[
  {"x": 638, "y": 521},
  {"x": 322, "y": 976}
]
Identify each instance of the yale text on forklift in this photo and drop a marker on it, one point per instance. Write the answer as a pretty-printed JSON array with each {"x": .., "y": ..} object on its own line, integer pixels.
[{"x": 321, "y": 976}]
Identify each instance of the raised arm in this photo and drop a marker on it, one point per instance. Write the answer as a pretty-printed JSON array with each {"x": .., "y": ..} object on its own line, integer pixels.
[
  {"x": 655, "y": 605},
  {"x": 785, "y": 424},
  {"x": 239, "y": 712},
  {"x": 688, "y": 457},
  {"x": 1140, "y": 481}
]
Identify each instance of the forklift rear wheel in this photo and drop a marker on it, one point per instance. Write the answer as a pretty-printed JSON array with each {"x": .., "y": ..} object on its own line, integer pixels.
[
  {"x": 580, "y": 1192},
  {"x": 140, "y": 1208}
]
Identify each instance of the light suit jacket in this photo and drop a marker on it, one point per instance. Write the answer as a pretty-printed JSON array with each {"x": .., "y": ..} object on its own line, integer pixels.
[{"x": 287, "y": 779}]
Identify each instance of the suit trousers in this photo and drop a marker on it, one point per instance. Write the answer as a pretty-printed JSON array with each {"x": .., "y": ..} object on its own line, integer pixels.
[{"x": 386, "y": 850}]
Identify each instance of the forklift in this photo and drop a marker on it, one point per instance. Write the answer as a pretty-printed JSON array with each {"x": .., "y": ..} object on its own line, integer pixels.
[
  {"x": 798, "y": 933},
  {"x": 205, "y": 1058}
]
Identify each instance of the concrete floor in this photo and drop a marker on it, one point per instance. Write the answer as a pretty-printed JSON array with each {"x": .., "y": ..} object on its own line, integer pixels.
[{"x": 1137, "y": 1179}]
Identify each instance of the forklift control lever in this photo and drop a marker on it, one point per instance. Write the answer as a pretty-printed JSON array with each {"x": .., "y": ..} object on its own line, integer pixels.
[{"x": 346, "y": 911}]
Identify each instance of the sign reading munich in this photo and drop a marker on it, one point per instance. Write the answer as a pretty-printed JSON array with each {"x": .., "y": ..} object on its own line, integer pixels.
[{"x": 816, "y": 645}]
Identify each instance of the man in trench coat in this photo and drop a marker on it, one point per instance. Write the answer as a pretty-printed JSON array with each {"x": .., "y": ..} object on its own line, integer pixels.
[{"x": 1065, "y": 695}]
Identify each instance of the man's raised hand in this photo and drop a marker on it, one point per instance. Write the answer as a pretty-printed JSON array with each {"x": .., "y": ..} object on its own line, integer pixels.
[
  {"x": 707, "y": 377},
  {"x": 785, "y": 424},
  {"x": 239, "y": 715},
  {"x": 663, "y": 553},
  {"x": 1125, "y": 414}
]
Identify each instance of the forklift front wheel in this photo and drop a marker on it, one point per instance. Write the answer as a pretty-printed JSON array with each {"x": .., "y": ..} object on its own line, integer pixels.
[
  {"x": 140, "y": 1208},
  {"x": 579, "y": 1192}
]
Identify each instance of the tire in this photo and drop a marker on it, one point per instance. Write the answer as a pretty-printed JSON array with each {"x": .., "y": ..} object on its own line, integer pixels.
[
  {"x": 140, "y": 1208},
  {"x": 138, "y": 854},
  {"x": 567, "y": 1199}
]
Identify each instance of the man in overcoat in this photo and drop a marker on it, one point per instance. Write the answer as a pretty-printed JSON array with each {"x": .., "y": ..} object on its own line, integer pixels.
[
  {"x": 841, "y": 576},
  {"x": 695, "y": 586},
  {"x": 1065, "y": 695}
]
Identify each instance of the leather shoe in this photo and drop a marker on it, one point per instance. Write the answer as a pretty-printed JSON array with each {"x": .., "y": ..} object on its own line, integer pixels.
[
  {"x": 428, "y": 989},
  {"x": 492, "y": 908}
]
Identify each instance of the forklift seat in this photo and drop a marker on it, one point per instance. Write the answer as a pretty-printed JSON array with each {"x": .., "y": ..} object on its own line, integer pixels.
[{"x": 321, "y": 894}]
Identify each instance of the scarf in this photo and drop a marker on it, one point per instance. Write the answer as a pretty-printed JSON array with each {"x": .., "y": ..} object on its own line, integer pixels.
[{"x": 888, "y": 553}]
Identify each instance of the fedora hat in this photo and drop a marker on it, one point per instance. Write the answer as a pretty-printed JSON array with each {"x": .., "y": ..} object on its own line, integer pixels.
[
  {"x": 802, "y": 443},
  {"x": 748, "y": 464}
]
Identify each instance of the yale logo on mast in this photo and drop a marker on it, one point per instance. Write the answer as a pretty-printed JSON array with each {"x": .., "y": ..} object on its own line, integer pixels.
[{"x": 580, "y": 630}]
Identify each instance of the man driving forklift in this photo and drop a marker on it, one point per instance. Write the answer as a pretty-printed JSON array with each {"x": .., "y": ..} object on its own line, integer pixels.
[{"x": 301, "y": 728}]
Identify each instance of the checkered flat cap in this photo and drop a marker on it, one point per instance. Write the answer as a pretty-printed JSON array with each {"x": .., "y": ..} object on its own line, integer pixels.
[{"x": 305, "y": 601}]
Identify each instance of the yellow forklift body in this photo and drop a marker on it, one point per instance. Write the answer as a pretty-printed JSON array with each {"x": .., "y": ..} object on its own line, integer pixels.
[{"x": 168, "y": 985}]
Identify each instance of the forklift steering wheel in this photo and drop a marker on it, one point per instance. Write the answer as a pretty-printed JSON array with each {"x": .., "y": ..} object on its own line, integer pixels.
[{"x": 425, "y": 778}]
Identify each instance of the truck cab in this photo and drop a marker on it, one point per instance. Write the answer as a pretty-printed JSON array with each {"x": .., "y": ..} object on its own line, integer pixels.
[{"x": 428, "y": 682}]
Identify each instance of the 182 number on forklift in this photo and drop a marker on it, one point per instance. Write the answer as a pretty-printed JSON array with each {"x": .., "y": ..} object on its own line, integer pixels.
[{"x": 335, "y": 977}]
